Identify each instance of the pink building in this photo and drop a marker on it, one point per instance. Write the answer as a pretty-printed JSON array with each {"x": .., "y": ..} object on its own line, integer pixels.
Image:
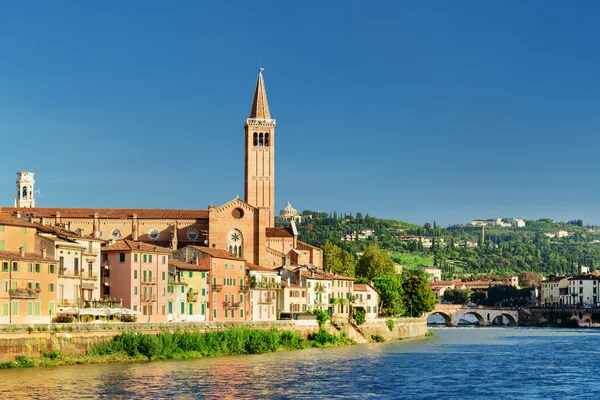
[{"x": 137, "y": 273}]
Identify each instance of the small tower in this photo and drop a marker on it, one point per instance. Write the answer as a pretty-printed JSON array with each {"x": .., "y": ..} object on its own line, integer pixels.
[{"x": 25, "y": 184}]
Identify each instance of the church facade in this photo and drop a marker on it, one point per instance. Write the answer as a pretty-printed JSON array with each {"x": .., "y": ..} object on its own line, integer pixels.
[{"x": 245, "y": 227}]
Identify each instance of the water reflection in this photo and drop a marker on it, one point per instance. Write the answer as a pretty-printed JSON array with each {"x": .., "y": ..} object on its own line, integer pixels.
[{"x": 457, "y": 363}]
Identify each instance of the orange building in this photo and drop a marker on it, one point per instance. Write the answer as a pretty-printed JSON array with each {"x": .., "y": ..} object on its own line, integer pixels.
[
  {"x": 28, "y": 293},
  {"x": 242, "y": 227}
]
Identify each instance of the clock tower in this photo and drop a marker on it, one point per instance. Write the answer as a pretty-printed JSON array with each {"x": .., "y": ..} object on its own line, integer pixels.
[{"x": 259, "y": 183}]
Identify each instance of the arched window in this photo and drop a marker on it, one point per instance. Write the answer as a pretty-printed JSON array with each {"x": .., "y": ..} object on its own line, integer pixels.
[
  {"x": 24, "y": 192},
  {"x": 261, "y": 139},
  {"x": 267, "y": 139},
  {"x": 255, "y": 139},
  {"x": 236, "y": 241}
]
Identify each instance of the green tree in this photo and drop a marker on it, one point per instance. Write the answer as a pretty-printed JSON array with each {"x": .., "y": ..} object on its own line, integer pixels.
[
  {"x": 529, "y": 279},
  {"x": 478, "y": 297},
  {"x": 390, "y": 293},
  {"x": 332, "y": 257},
  {"x": 348, "y": 266},
  {"x": 418, "y": 297},
  {"x": 457, "y": 296},
  {"x": 375, "y": 262}
]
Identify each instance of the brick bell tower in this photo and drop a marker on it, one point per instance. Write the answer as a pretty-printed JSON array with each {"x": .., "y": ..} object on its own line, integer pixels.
[{"x": 259, "y": 183}]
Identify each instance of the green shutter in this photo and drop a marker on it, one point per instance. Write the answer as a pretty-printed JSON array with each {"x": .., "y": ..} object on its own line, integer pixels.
[
  {"x": 204, "y": 275},
  {"x": 203, "y": 292},
  {"x": 241, "y": 313},
  {"x": 182, "y": 290},
  {"x": 1, "y": 244},
  {"x": 135, "y": 274},
  {"x": 51, "y": 308},
  {"x": 202, "y": 308},
  {"x": 38, "y": 308},
  {"x": 190, "y": 274},
  {"x": 225, "y": 313},
  {"x": 1, "y": 228},
  {"x": 135, "y": 258},
  {"x": 214, "y": 313},
  {"x": 15, "y": 308},
  {"x": 170, "y": 307},
  {"x": 29, "y": 308},
  {"x": 5, "y": 307},
  {"x": 182, "y": 306},
  {"x": 149, "y": 258},
  {"x": 29, "y": 267},
  {"x": 241, "y": 298},
  {"x": 191, "y": 308},
  {"x": 24, "y": 231}
]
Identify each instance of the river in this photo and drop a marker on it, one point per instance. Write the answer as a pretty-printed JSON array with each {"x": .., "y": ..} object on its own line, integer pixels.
[{"x": 457, "y": 363}]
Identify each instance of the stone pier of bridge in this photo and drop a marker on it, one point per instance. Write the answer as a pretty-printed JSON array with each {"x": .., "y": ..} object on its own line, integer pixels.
[{"x": 452, "y": 314}]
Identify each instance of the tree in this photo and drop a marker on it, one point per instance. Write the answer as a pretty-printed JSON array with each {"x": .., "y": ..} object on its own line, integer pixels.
[
  {"x": 418, "y": 296},
  {"x": 375, "y": 262},
  {"x": 457, "y": 296},
  {"x": 426, "y": 227},
  {"x": 390, "y": 293},
  {"x": 529, "y": 279},
  {"x": 332, "y": 257},
  {"x": 348, "y": 266},
  {"x": 478, "y": 297}
]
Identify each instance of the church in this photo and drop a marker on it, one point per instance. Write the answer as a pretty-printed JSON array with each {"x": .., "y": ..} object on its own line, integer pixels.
[{"x": 245, "y": 227}]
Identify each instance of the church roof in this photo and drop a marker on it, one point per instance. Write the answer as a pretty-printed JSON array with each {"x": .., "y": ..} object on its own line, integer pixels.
[
  {"x": 279, "y": 232},
  {"x": 130, "y": 245},
  {"x": 182, "y": 265},
  {"x": 217, "y": 253},
  {"x": 305, "y": 246},
  {"x": 260, "y": 106},
  {"x": 147, "y": 213}
]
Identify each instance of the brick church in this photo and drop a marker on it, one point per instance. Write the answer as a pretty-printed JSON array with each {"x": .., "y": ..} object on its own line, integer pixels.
[{"x": 245, "y": 228}]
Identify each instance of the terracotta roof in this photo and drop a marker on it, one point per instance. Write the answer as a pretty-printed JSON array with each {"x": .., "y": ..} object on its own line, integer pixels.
[
  {"x": 291, "y": 285},
  {"x": 279, "y": 232},
  {"x": 321, "y": 275},
  {"x": 260, "y": 106},
  {"x": 306, "y": 246},
  {"x": 15, "y": 255},
  {"x": 255, "y": 267},
  {"x": 147, "y": 213},
  {"x": 7, "y": 219},
  {"x": 63, "y": 233},
  {"x": 182, "y": 265},
  {"x": 217, "y": 253},
  {"x": 360, "y": 287},
  {"x": 130, "y": 245}
]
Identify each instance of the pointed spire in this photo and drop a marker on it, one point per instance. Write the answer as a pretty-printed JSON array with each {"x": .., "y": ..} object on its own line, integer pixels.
[{"x": 260, "y": 107}]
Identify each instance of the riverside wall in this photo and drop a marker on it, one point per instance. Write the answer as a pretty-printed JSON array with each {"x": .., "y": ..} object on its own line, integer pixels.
[{"x": 75, "y": 339}]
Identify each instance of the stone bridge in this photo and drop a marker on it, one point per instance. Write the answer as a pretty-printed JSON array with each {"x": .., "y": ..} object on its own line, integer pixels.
[{"x": 452, "y": 314}]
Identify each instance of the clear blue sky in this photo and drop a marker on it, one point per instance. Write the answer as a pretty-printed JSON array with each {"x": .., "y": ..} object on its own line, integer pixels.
[{"x": 410, "y": 110}]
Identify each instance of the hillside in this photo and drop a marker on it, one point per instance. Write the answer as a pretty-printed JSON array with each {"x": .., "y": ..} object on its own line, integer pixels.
[{"x": 542, "y": 245}]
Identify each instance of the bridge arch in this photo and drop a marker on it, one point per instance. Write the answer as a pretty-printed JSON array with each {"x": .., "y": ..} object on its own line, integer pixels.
[
  {"x": 480, "y": 318},
  {"x": 447, "y": 318}
]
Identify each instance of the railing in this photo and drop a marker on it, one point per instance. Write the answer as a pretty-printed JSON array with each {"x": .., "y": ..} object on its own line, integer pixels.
[
  {"x": 231, "y": 305},
  {"x": 267, "y": 285},
  {"x": 266, "y": 300},
  {"x": 217, "y": 288},
  {"x": 64, "y": 273},
  {"x": 260, "y": 121},
  {"x": 24, "y": 293},
  {"x": 107, "y": 303},
  {"x": 320, "y": 288},
  {"x": 244, "y": 289},
  {"x": 149, "y": 297},
  {"x": 149, "y": 281}
]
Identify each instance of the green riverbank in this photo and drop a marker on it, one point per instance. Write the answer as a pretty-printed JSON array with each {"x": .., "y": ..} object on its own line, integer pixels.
[{"x": 131, "y": 346}]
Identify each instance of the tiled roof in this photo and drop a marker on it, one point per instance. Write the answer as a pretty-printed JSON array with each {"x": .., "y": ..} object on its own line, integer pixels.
[
  {"x": 130, "y": 245},
  {"x": 217, "y": 253},
  {"x": 284, "y": 284},
  {"x": 279, "y": 232},
  {"x": 7, "y": 219},
  {"x": 147, "y": 213},
  {"x": 260, "y": 106},
  {"x": 62, "y": 233},
  {"x": 255, "y": 267},
  {"x": 321, "y": 275},
  {"x": 360, "y": 287},
  {"x": 15, "y": 255},
  {"x": 306, "y": 246},
  {"x": 182, "y": 265}
]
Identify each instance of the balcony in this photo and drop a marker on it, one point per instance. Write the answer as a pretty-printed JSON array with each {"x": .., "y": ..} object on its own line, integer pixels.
[
  {"x": 24, "y": 293},
  {"x": 320, "y": 288},
  {"x": 231, "y": 305},
  {"x": 192, "y": 296},
  {"x": 266, "y": 300},
  {"x": 217, "y": 288},
  {"x": 149, "y": 297},
  {"x": 266, "y": 285},
  {"x": 244, "y": 289},
  {"x": 110, "y": 303},
  {"x": 149, "y": 281},
  {"x": 65, "y": 273}
]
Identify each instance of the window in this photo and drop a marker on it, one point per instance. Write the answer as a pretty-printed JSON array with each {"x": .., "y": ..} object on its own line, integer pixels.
[
  {"x": 1, "y": 228},
  {"x": 149, "y": 258},
  {"x": 4, "y": 267},
  {"x": 121, "y": 257},
  {"x": 15, "y": 267},
  {"x": 202, "y": 309},
  {"x": 5, "y": 309},
  {"x": 203, "y": 292},
  {"x": 145, "y": 258},
  {"x": 182, "y": 289},
  {"x": 51, "y": 287},
  {"x": 135, "y": 274},
  {"x": 135, "y": 258},
  {"x": 241, "y": 267},
  {"x": 163, "y": 309},
  {"x": 170, "y": 307},
  {"x": 203, "y": 275},
  {"x": 38, "y": 268},
  {"x": 214, "y": 265},
  {"x": 241, "y": 298},
  {"x": 190, "y": 274},
  {"x": 191, "y": 308},
  {"x": 15, "y": 308},
  {"x": 182, "y": 304},
  {"x": 29, "y": 267},
  {"x": 163, "y": 275},
  {"x": 225, "y": 267},
  {"x": 24, "y": 245},
  {"x": 135, "y": 291},
  {"x": 29, "y": 308},
  {"x": 135, "y": 307},
  {"x": 225, "y": 313},
  {"x": 242, "y": 313},
  {"x": 5, "y": 286},
  {"x": 214, "y": 313},
  {"x": 1, "y": 244},
  {"x": 37, "y": 308},
  {"x": 24, "y": 231},
  {"x": 164, "y": 260},
  {"x": 52, "y": 269}
]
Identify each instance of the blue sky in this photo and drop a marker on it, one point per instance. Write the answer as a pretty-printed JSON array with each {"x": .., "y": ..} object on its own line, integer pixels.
[{"x": 409, "y": 110}]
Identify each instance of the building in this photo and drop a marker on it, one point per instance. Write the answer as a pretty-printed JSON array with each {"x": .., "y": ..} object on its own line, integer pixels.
[
  {"x": 289, "y": 213},
  {"x": 189, "y": 291},
  {"x": 28, "y": 293},
  {"x": 367, "y": 297},
  {"x": 292, "y": 298},
  {"x": 433, "y": 274},
  {"x": 552, "y": 290},
  {"x": 138, "y": 274},
  {"x": 25, "y": 192},
  {"x": 583, "y": 291},
  {"x": 512, "y": 280},
  {"x": 79, "y": 264},
  {"x": 265, "y": 288},
  {"x": 243, "y": 227}
]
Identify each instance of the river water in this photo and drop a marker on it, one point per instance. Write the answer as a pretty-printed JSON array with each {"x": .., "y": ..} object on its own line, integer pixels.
[{"x": 457, "y": 363}]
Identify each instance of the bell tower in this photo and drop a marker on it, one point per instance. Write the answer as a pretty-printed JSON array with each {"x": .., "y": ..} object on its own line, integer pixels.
[
  {"x": 259, "y": 183},
  {"x": 25, "y": 184}
]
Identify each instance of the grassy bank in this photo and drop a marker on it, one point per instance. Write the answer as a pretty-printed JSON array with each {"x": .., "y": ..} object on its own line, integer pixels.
[{"x": 186, "y": 345}]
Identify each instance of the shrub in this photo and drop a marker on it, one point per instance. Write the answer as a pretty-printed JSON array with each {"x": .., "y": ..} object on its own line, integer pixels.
[
  {"x": 149, "y": 346},
  {"x": 359, "y": 315},
  {"x": 24, "y": 362},
  {"x": 322, "y": 316},
  {"x": 377, "y": 338},
  {"x": 62, "y": 319},
  {"x": 52, "y": 355},
  {"x": 128, "y": 318},
  {"x": 390, "y": 324},
  {"x": 30, "y": 329}
]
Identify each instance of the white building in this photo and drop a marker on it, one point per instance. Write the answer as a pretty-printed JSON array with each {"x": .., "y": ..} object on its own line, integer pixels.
[
  {"x": 367, "y": 297},
  {"x": 583, "y": 290},
  {"x": 25, "y": 184},
  {"x": 265, "y": 285},
  {"x": 551, "y": 291},
  {"x": 433, "y": 274}
]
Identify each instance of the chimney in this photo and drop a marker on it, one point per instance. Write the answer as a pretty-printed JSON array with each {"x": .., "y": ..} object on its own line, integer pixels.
[
  {"x": 43, "y": 253},
  {"x": 18, "y": 214},
  {"x": 22, "y": 251},
  {"x": 288, "y": 282},
  {"x": 43, "y": 221},
  {"x": 312, "y": 272},
  {"x": 81, "y": 232}
]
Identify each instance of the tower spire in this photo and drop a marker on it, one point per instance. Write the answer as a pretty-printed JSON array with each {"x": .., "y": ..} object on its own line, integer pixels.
[{"x": 260, "y": 106}]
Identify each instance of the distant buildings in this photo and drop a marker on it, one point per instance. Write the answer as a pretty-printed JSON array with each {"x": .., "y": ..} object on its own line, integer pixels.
[
  {"x": 433, "y": 274},
  {"x": 501, "y": 222},
  {"x": 362, "y": 235},
  {"x": 289, "y": 213}
]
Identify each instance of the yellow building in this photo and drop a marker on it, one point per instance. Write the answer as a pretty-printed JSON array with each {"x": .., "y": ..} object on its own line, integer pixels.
[{"x": 191, "y": 282}]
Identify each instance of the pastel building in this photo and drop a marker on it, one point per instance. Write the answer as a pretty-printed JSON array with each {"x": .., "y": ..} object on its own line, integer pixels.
[
  {"x": 265, "y": 285},
  {"x": 292, "y": 298},
  {"x": 366, "y": 297},
  {"x": 138, "y": 274},
  {"x": 190, "y": 288},
  {"x": 28, "y": 292}
]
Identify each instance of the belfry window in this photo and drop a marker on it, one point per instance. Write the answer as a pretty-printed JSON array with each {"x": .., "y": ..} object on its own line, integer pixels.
[
  {"x": 267, "y": 139},
  {"x": 255, "y": 139},
  {"x": 24, "y": 192},
  {"x": 261, "y": 140}
]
